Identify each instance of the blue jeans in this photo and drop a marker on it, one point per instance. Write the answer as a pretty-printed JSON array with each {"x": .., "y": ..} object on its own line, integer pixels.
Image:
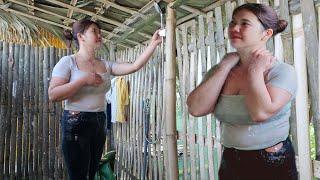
[
  {"x": 83, "y": 138},
  {"x": 259, "y": 164}
]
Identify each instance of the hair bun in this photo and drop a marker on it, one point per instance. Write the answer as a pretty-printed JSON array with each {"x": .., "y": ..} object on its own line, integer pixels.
[
  {"x": 282, "y": 24},
  {"x": 68, "y": 35}
]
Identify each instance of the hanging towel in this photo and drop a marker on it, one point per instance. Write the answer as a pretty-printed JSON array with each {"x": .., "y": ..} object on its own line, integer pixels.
[{"x": 122, "y": 98}]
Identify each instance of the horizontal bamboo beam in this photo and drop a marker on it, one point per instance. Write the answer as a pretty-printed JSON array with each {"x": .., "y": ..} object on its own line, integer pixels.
[
  {"x": 50, "y": 22},
  {"x": 69, "y": 19}
]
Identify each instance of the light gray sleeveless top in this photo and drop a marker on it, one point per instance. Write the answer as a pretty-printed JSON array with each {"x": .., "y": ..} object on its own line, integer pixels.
[
  {"x": 237, "y": 128},
  {"x": 88, "y": 98}
]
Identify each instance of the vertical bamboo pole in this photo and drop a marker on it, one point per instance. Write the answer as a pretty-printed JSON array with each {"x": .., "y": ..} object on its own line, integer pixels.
[
  {"x": 170, "y": 81},
  {"x": 210, "y": 120},
  {"x": 32, "y": 113},
  {"x": 45, "y": 145},
  {"x": 302, "y": 115},
  {"x": 20, "y": 111},
  {"x": 41, "y": 117},
  {"x": 311, "y": 37},
  {"x": 8, "y": 116},
  {"x": 36, "y": 111},
  {"x": 26, "y": 100},
  {"x": 14, "y": 112},
  {"x": 4, "y": 104},
  {"x": 52, "y": 113}
]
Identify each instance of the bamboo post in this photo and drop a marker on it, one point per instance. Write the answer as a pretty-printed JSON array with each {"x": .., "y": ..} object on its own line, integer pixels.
[
  {"x": 212, "y": 164},
  {"x": 41, "y": 117},
  {"x": 9, "y": 111},
  {"x": 302, "y": 114},
  {"x": 52, "y": 113},
  {"x": 36, "y": 111},
  {"x": 32, "y": 113},
  {"x": 26, "y": 101},
  {"x": 311, "y": 37},
  {"x": 170, "y": 81},
  {"x": 20, "y": 111},
  {"x": 14, "y": 112},
  {"x": 4, "y": 103},
  {"x": 45, "y": 145}
]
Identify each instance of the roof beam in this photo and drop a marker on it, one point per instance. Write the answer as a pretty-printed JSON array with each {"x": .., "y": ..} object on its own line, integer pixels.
[
  {"x": 133, "y": 18},
  {"x": 89, "y": 13},
  {"x": 70, "y": 11},
  {"x": 49, "y": 22},
  {"x": 65, "y": 18}
]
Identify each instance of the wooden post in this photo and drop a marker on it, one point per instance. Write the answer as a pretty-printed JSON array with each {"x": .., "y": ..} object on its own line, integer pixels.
[
  {"x": 302, "y": 114},
  {"x": 170, "y": 107},
  {"x": 311, "y": 38}
]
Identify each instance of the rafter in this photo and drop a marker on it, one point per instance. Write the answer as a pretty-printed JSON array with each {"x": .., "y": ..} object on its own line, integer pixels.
[{"x": 70, "y": 11}]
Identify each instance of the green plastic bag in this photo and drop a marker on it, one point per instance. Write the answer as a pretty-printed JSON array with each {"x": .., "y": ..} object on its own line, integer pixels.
[{"x": 106, "y": 170}]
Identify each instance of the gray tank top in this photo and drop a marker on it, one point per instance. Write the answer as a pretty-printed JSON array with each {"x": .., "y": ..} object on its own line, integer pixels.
[
  {"x": 237, "y": 128},
  {"x": 88, "y": 98}
]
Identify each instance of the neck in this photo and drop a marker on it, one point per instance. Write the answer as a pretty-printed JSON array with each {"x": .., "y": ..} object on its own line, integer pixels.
[
  {"x": 246, "y": 52},
  {"x": 86, "y": 54}
]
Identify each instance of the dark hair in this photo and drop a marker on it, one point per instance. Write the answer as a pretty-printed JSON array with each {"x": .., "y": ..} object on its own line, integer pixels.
[
  {"x": 266, "y": 15},
  {"x": 78, "y": 27}
]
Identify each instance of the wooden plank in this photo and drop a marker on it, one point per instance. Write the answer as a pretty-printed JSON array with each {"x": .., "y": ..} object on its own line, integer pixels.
[
  {"x": 311, "y": 38},
  {"x": 26, "y": 108},
  {"x": 302, "y": 113}
]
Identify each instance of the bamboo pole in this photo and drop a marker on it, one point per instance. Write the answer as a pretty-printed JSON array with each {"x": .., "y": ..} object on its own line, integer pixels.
[
  {"x": 20, "y": 111},
  {"x": 210, "y": 120},
  {"x": 36, "y": 111},
  {"x": 8, "y": 116},
  {"x": 14, "y": 112},
  {"x": 311, "y": 37},
  {"x": 32, "y": 113},
  {"x": 45, "y": 145},
  {"x": 52, "y": 113},
  {"x": 302, "y": 115},
  {"x": 201, "y": 121},
  {"x": 4, "y": 104},
  {"x": 26, "y": 100},
  {"x": 41, "y": 119},
  {"x": 170, "y": 82}
]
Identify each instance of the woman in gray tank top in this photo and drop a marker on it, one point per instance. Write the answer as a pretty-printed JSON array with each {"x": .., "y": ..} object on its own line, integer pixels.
[
  {"x": 82, "y": 80},
  {"x": 250, "y": 93}
]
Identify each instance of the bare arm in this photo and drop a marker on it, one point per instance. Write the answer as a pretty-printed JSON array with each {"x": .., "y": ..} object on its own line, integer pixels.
[
  {"x": 202, "y": 100},
  {"x": 127, "y": 68},
  {"x": 61, "y": 89},
  {"x": 262, "y": 100}
]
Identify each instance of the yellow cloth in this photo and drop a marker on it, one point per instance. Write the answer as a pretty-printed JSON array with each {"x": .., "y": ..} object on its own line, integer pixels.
[{"x": 122, "y": 98}]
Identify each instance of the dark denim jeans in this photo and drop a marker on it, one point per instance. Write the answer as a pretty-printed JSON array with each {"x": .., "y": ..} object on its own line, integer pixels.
[
  {"x": 259, "y": 164},
  {"x": 83, "y": 138}
]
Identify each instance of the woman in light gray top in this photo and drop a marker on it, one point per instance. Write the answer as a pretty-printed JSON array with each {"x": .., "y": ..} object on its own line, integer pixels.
[
  {"x": 82, "y": 80},
  {"x": 250, "y": 92}
]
